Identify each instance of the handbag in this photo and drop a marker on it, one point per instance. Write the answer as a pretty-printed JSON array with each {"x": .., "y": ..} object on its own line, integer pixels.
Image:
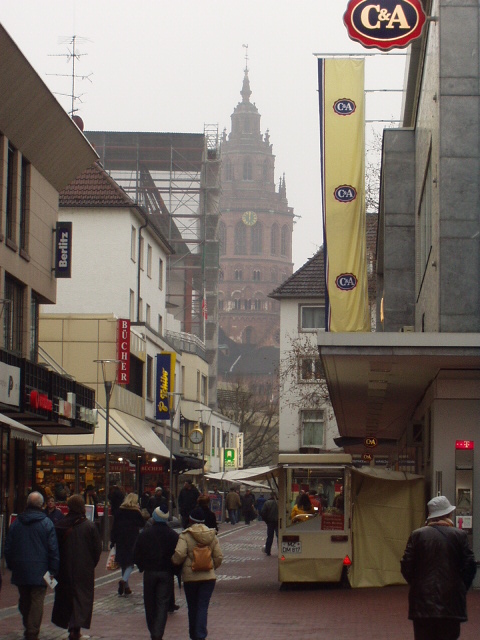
[{"x": 112, "y": 565}]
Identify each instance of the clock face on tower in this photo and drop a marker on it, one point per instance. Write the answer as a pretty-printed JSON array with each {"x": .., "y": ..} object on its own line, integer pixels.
[{"x": 249, "y": 218}]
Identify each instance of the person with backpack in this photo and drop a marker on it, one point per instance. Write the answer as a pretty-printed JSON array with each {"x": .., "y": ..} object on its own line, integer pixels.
[{"x": 199, "y": 553}]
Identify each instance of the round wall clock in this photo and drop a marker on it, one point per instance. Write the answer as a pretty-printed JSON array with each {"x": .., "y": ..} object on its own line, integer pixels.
[
  {"x": 196, "y": 436},
  {"x": 249, "y": 218}
]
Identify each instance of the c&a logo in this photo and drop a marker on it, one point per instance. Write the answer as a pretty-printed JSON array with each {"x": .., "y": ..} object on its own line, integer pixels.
[
  {"x": 344, "y": 107},
  {"x": 384, "y": 24},
  {"x": 346, "y": 281},
  {"x": 345, "y": 193}
]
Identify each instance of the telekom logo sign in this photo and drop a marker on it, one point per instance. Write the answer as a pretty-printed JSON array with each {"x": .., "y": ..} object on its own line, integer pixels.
[{"x": 123, "y": 351}]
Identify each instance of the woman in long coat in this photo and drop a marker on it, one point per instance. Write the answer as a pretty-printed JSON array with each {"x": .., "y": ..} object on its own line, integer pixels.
[
  {"x": 126, "y": 526},
  {"x": 80, "y": 549}
]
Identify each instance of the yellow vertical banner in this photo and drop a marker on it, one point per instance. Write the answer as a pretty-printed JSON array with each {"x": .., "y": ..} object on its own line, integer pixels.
[{"x": 342, "y": 141}]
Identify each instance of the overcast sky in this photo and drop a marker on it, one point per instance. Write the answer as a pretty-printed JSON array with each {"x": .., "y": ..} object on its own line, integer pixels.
[{"x": 176, "y": 65}]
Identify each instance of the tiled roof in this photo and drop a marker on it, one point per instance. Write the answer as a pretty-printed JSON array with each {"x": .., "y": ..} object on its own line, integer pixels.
[
  {"x": 306, "y": 282},
  {"x": 94, "y": 188}
]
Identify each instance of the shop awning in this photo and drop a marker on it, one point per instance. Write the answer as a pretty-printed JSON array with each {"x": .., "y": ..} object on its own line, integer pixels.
[
  {"x": 19, "y": 431},
  {"x": 183, "y": 463},
  {"x": 195, "y": 411},
  {"x": 126, "y": 434}
]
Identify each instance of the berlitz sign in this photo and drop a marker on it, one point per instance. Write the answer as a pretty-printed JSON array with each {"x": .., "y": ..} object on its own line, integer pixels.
[{"x": 387, "y": 24}]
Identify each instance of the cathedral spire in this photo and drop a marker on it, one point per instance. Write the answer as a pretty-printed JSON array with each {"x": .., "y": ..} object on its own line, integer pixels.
[{"x": 246, "y": 92}]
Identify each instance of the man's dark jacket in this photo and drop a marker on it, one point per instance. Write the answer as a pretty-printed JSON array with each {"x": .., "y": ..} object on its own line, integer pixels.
[
  {"x": 155, "y": 547},
  {"x": 31, "y": 548},
  {"x": 270, "y": 511},
  {"x": 187, "y": 500},
  {"x": 439, "y": 566}
]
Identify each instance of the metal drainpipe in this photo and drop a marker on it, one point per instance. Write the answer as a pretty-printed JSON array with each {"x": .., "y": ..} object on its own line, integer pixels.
[{"x": 138, "y": 270}]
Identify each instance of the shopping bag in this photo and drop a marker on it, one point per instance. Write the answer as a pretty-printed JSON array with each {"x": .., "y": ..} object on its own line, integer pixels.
[{"x": 111, "y": 564}]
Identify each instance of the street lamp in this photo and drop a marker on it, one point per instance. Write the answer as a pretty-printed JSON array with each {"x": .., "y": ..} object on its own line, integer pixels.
[
  {"x": 173, "y": 411},
  {"x": 109, "y": 373}
]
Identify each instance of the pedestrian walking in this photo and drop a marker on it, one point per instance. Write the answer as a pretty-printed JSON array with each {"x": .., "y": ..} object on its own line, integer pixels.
[
  {"x": 439, "y": 566},
  {"x": 156, "y": 500},
  {"x": 31, "y": 550},
  {"x": 52, "y": 511},
  {"x": 248, "y": 506},
  {"x": 232, "y": 504},
  {"x": 187, "y": 501},
  {"x": 116, "y": 496},
  {"x": 198, "y": 584},
  {"x": 260, "y": 502},
  {"x": 210, "y": 518},
  {"x": 124, "y": 534},
  {"x": 270, "y": 517},
  {"x": 80, "y": 549},
  {"x": 153, "y": 555}
]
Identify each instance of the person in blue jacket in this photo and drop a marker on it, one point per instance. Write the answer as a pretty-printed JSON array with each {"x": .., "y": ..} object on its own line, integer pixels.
[{"x": 31, "y": 550}]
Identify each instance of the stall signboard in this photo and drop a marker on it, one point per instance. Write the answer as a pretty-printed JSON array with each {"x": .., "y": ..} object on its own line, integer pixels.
[{"x": 385, "y": 25}]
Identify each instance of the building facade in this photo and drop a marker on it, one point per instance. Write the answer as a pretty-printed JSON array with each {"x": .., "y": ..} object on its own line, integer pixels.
[{"x": 255, "y": 230}]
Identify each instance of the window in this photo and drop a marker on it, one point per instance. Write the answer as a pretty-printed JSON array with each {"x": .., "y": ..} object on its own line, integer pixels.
[
  {"x": 213, "y": 440},
  {"x": 160, "y": 274},
  {"x": 284, "y": 241},
  {"x": 34, "y": 316},
  {"x": 222, "y": 238},
  {"x": 24, "y": 204},
  {"x": 132, "y": 306},
  {"x": 149, "y": 377},
  {"x": 198, "y": 386},
  {"x": 238, "y": 274},
  {"x": 136, "y": 376},
  {"x": 312, "y": 318},
  {"x": 148, "y": 315},
  {"x": 13, "y": 314},
  {"x": 274, "y": 275},
  {"x": 258, "y": 304},
  {"x": 140, "y": 310},
  {"x": 256, "y": 275},
  {"x": 247, "y": 304},
  {"x": 240, "y": 239},
  {"x": 237, "y": 304},
  {"x": 140, "y": 257},
  {"x": 310, "y": 370},
  {"x": 425, "y": 215},
  {"x": 247, "y": 169},
  {"x": 312, "y": 428},
  {"x": 220, "y": 304},
  {"x": 11, "y": 199},
  {"x": 257, "y": 239},
  {"x": 248, "y": 335},
  {"x": 160, "y": 325},
  {"x": 203, "y": 397},
  {"x": 228, "y": 170},
  {"x": 149, "y": 261},
  {"x": 133, "y": 244},
  {"x": 274, "y": 240}
]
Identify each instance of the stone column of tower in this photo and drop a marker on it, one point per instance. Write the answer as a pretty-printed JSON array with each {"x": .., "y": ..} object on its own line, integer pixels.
[{"x": 255, "y": 230}]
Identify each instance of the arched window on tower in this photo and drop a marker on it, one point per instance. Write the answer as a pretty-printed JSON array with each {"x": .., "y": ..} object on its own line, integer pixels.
[
  {"x": 240, "y": 239},
  {"x": 247, "y": 169},
  {"x": 274, "y": 240},
  {"x": 284, "y": 244},
  {"x": 256, "y": 275},
  {"x": 222, "y": 238},
  {"x": 228, "y": 170},
  {"x": 257, "y": 239},
  {"x": 248, "y": 335}
]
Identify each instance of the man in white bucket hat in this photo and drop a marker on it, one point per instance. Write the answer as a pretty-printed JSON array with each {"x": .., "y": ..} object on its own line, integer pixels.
[{"x": 439, "y": 566}]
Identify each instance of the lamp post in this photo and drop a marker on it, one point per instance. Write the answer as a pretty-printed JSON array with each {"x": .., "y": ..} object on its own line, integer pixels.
[
  {"x": 109, "y": 374},
  {"x": 173, "y": 411}
]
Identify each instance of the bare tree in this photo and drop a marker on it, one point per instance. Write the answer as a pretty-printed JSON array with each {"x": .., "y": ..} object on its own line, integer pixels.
[{"x": 256, "y": 413}]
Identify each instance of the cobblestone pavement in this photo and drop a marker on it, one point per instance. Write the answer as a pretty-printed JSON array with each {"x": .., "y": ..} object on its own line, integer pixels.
[{"x": 246, "y": 603}]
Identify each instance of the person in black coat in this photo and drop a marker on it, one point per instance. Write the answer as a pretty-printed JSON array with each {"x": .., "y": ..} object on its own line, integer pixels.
[
  {"x": 439, "y": 566},
  {"x": 126, "y": 527},
  {"x": 116, "y": 496},
  {"x": 80, "y": 549},
  {"x": 152, "y": 554},
  {"x": 210, "y": 518},
  {"x": 187, "y": 501}
]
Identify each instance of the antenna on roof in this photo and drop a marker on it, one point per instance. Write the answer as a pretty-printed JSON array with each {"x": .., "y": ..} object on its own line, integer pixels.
[{"x": 73, "y": 55}]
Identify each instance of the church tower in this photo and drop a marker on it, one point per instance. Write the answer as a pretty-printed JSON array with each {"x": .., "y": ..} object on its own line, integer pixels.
[{"x": 255, "y": 230}]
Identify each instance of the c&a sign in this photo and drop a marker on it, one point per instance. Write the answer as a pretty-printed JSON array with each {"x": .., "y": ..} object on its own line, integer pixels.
[{"x": 386, "y": 24}]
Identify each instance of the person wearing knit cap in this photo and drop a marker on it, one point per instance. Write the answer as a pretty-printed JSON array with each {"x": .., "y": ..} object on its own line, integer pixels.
[
  {"x": 152, "y": 554},
  {"x": 439, "y": 566},
  {"x": 198, "y": 585},
  {"x": 80, "y": 549}
]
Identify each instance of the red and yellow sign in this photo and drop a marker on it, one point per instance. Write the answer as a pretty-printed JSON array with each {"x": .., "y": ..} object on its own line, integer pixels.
[{"x": 387, "y": 24}]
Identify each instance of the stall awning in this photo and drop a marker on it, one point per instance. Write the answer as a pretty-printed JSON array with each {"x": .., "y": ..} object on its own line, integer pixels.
[
  {"x": 183, "y": 463},
  {"x": 126, "y": 434},
  {"x": 20, "y": 431}
]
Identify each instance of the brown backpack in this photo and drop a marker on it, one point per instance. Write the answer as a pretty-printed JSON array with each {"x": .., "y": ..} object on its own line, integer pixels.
[{"x": 202, "y": 558}]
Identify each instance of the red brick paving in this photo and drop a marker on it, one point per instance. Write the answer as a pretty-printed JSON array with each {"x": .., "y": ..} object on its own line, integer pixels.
[{"x": 247, "y": 603}]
